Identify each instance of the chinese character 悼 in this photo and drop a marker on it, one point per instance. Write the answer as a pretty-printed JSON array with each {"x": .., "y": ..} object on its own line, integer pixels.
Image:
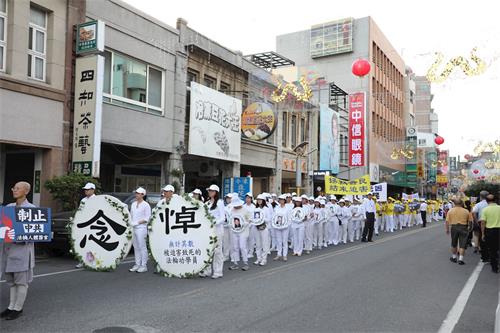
[{"x": 183, "y": 219}]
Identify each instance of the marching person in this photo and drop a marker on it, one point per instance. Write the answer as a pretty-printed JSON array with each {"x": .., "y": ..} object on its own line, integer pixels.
[
  {"x": 370, "y": 210},
  {"x": 216, "y": 209},
  {"x": 262, "y": 235},
  {"x": 344, "y": 218},
  {"x": 89, "y": 191},
  {"x": 166, "y": 194},
  {"x": 357, "y": 216},
  {"x": 350, "y": 222},
  {"x": 17, "y": 260},
  {"x": 334, "y": 221},
  {"x": 389, "y": 215},
  {"x": 423, "y": 213},
  {"x": 249, "y": 205},
  {"x": 197, "y": 195},
  {"x": 317, "y": 224},
  {"x": 378, "y": 216},
  {"x": 308, "y": 224},
  {"x": 460, "y": 220},
  {"x": 298, "y": 216},
  {"x": 407, "y": 214},
  {"x": 227, "y": 246},
  {"x": 476, "y": 214},
  {"x": 490, "y": 227},
  {"x": 140, "y": 212},
  {"x": 280, "y": 225},
  {"x": 240, "y": 219}
]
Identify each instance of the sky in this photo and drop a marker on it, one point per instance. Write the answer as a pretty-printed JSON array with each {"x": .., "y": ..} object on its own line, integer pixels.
[{"x": 468, "y": 107}]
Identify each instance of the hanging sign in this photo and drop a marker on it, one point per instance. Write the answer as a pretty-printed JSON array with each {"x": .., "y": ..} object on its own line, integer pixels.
[
  {"x": 357, "y": 105},
  {"x": 358, "y": 186}
]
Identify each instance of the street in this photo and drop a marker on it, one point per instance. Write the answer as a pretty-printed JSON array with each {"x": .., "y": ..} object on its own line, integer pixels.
[{"x": 403, "y": 282}]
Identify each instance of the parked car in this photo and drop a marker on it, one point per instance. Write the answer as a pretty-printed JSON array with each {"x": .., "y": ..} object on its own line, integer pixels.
[{"x": 60, "y": 244}]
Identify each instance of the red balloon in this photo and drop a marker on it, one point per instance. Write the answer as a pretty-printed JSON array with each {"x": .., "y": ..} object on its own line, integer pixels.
[
  {"x": 361, "y": 67},
  {"x": 439, "y": 140},
  {"x": 483, "y": 177},
  {"x": 476, "y": 171}
]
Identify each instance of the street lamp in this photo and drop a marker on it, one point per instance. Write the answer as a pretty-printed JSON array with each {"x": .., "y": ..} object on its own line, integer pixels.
[{"x": 299, "y": 151}]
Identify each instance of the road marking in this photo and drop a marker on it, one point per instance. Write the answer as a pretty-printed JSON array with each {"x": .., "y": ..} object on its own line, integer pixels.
[
  {"x": 456, "y": 311},
  {"x": 68, "y": 271},
  {"x": 497, "y": 316}
]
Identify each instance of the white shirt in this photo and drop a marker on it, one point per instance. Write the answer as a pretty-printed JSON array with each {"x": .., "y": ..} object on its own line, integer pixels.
[
  {"x": 140, "y": 212},
  {"x": 423, "y": 207},
  {"x": 369, "y": 206},
  {"x": 218, "y": 213},
  {"x": 345, "y": 214},
  {"x": 93, "y": 195}
]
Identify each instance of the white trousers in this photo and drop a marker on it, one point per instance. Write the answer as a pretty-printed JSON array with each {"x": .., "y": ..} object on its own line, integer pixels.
[
  {"x": 378, "y": 219},
  {"x": 357, "y": 228},
  {"x": 327, "y": 232},
  {"x": 383, "y": 222},
  {"x": 298, "y": 238},
  {"x": 252, "y": 235},
  {"x": 240, "y": 243},
  {"x": 281, "y": 241},
  {"x": 217, "y": 265},
  {"x": 350, "y": 230},
  {"x": 262, "y": 243},
  {"x": 343, "y": 232},
  {"x": 334, "y": 234},
  {"x": 140, "y": 247},
  {"x": 389, "y": 223},
  {"x": 227, "y": 244},
  {"x": 318, "y": 234},
  {"x": 308, "y": 235},
  {"x": 272, "y": 232}
]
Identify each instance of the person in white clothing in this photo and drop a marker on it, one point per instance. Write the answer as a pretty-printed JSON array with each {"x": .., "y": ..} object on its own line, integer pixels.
[
  {"x": 263, "y": 215},
  {"x": 369, "y": 212},
  {"x": 308, "y": 223},
  {"x": 239, "y": 222},
  {"x": 281, "y": 219},
  {"x": 140, "y": 212},
  {"x": 358, "y": 216},
  {"x": 317, "y": 222},
  {"x": 250, "y": 206},
  {"x": 345, "y": 215},
  {"x": 227, "y": 245},
  {"x": 334, "y": 221},
  {"x": 198, "y": 195},
  {"x": 89, "y": 190},
  {"x": 166, "y": 194},
  {"x": 216, "y": 209},
  {"x": 298, "y": 216}
]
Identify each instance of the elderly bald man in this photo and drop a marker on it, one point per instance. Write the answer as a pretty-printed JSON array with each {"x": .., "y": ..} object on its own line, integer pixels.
[{"x": 17, "y": 260}]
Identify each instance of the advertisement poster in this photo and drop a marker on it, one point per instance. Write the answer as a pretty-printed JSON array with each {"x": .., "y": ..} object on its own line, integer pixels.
[
  {"x": 258, "y": 121},
  {"x": 329, "y": 149},
  {"x": 215, "y": 124},
  {"x": 357, "y": 104}
]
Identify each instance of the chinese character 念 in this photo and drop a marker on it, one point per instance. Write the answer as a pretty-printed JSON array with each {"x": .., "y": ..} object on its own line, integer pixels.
[{"x": 95, "y": 223}]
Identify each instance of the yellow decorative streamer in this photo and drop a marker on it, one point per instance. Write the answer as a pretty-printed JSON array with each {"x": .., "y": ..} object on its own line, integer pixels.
[
  {"x": 291, "y": 88},
  {"x": 459, "y": 61}
]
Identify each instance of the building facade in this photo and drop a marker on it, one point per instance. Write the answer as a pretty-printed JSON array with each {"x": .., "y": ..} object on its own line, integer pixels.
[
  {"x": 383, "y": 86},
  {"x": 36, "y": 45}
]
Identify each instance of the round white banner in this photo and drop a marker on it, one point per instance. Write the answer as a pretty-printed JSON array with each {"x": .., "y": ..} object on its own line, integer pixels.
[
  {"x": 100, "y": 232},
  {"x": 280, "y": 221},
  {"x": 298, "y": 215},
  {"x": 181, "y": 237},
  {"x": 258, "y": 217}
]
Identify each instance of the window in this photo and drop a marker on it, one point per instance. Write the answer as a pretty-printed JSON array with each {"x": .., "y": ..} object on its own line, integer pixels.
[
  {"x": 303, "y": 130},
  {"x": 132, "y": 83},
  {"x": 294, "y": 131},
  {"x": 37, "y": 40},
  {"x": 3, "y": 33},
  {"x": 210, "y": 82},
  {"x": 192, "y": 76},
  {"x": 284, "y": 131},
  {"x": 224, "y": 87}
]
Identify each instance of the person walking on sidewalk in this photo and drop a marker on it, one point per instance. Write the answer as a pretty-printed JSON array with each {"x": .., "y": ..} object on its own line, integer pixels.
[
  {"x": 490, "y": 227},
  {"x": 459, "y": 219}
]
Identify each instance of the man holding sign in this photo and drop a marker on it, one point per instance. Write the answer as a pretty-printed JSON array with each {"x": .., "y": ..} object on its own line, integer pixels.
[{"x": 17, "y": 259}]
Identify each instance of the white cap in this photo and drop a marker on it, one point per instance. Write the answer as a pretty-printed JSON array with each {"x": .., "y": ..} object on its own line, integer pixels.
[
  {"x": 261, "y": 197},
  {"x": 303, "y": 196},
  {"x": 228, "y": 195},
  {"x": 311, "y": 198},
  {"x": 294, "y": 194},
  {"x": 141, "y": 191},
  {"x": 347, "y": 199},
  {"x": 333, "y": 197},
  {"x": 236, "y": 201},
  {"x": 282, "y": 197},
  {"x": 318, "y": 199},
  {"x": 322, "y": 202},
  {"x": 341, "y": 201},
  {"x": 288, "y": 195},
  {"x": 168, "y": 188},
  {"x": 274, "y": 195},
  {"x": 296, "y": 199},
  {"x": 197, "y": 191},
  {"x": 89, "y": 186},
  {"x": 213, "y": 187},
  {"x": 249, "y": 194}
]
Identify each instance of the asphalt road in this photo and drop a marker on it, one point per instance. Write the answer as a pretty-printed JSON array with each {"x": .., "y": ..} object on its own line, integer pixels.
[{"x": 403, "y": 282}]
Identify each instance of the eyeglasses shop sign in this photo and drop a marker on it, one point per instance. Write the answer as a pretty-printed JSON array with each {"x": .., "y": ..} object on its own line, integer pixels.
[{"x": 215, "y": 124}]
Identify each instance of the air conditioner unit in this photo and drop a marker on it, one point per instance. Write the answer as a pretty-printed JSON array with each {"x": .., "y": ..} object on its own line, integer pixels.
[{"x": 208, "y": 169}]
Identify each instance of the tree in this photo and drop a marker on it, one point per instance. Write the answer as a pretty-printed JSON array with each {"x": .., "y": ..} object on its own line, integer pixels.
[
  {"x": 474, "y": 189},
  {"x": 68, "y": 189}
]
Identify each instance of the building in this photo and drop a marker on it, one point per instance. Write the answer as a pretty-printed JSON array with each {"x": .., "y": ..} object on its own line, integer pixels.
[
  {"x": 36, "y": 45},
  {"x": 330, "y": 49},
  {"x": 410, "y": 91},
  {"x": 426, "y": 119}
]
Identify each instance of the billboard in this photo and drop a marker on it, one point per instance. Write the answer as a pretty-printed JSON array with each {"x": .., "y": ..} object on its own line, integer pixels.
[
  {"x": 357, "y": 105},
  {"x": 258, "y": 121},
  {"x": 329, "y": 147},
  {"x": 215, "y": 124},
  {"x": 331, "y": 38}
]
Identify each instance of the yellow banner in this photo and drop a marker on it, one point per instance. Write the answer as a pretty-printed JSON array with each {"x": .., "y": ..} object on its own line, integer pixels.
[
  {"x": 442, "y": 179},
  {"x": 359, "y": 186}
]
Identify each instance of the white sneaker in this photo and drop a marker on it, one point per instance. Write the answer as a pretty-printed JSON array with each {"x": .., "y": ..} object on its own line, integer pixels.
[
  {"x": 262, "y": 263},
  {"x": 142, "y": 269},
  {"x": 256, "y": 262},
  {"x": 216, "y": 276},
  {"x": 134, "y": 268},
  {"x": 79, "y": 265}
]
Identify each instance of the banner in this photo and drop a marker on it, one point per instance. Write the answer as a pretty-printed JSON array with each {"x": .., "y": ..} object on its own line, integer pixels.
[
  {"x": 359, "y": 186},
  {"x": 442, "y": 180},
  {"x": 413, "y": 196},
  {"x": 329, "y": 148},
  {"x": 182, "y": 237},
  {"x": 215, "y": 124},
  {"x": 431, "y": 166},
  {"x": 25, "y": 224},
  {"x": 258, "y": 121},
  {"x": 357, "y": 104},
  {"x": 101, "y": 234},
  {"x": 89, "y": 78},
  {"x": 242, "y": 185},
  {"x": 380, "y": 191}
]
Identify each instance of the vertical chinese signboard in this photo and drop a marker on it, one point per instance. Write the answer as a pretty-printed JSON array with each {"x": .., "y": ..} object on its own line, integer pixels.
[
  {"x": 357, "y": 103},
  {"x": 89, "y": 76},
  {"x": 442, "y": 168},
  {"x": 431, "y": 166},
  {"x": 411, "y": 161}
]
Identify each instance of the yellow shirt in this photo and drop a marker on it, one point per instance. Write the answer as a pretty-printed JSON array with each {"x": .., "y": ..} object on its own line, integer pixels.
[
  {"x": 407, "y": 209},
  {"x": 390, "y": 209}
]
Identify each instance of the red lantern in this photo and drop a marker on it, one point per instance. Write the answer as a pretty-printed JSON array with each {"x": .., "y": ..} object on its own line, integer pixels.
[
  {"x": 361, "y": 67},
  {"x": 467, "y": 157},
  {"x": 439, "y": 140},
  {"x": 475, "y": 171},
  {"x": 483, "y": 177}
]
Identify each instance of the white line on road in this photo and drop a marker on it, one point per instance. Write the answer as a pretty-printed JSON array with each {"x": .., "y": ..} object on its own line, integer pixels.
[
  {"x": 459, "y": 306},
  {"x": 68, "y": 271},
  {"x": 497, "y": 316}
]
